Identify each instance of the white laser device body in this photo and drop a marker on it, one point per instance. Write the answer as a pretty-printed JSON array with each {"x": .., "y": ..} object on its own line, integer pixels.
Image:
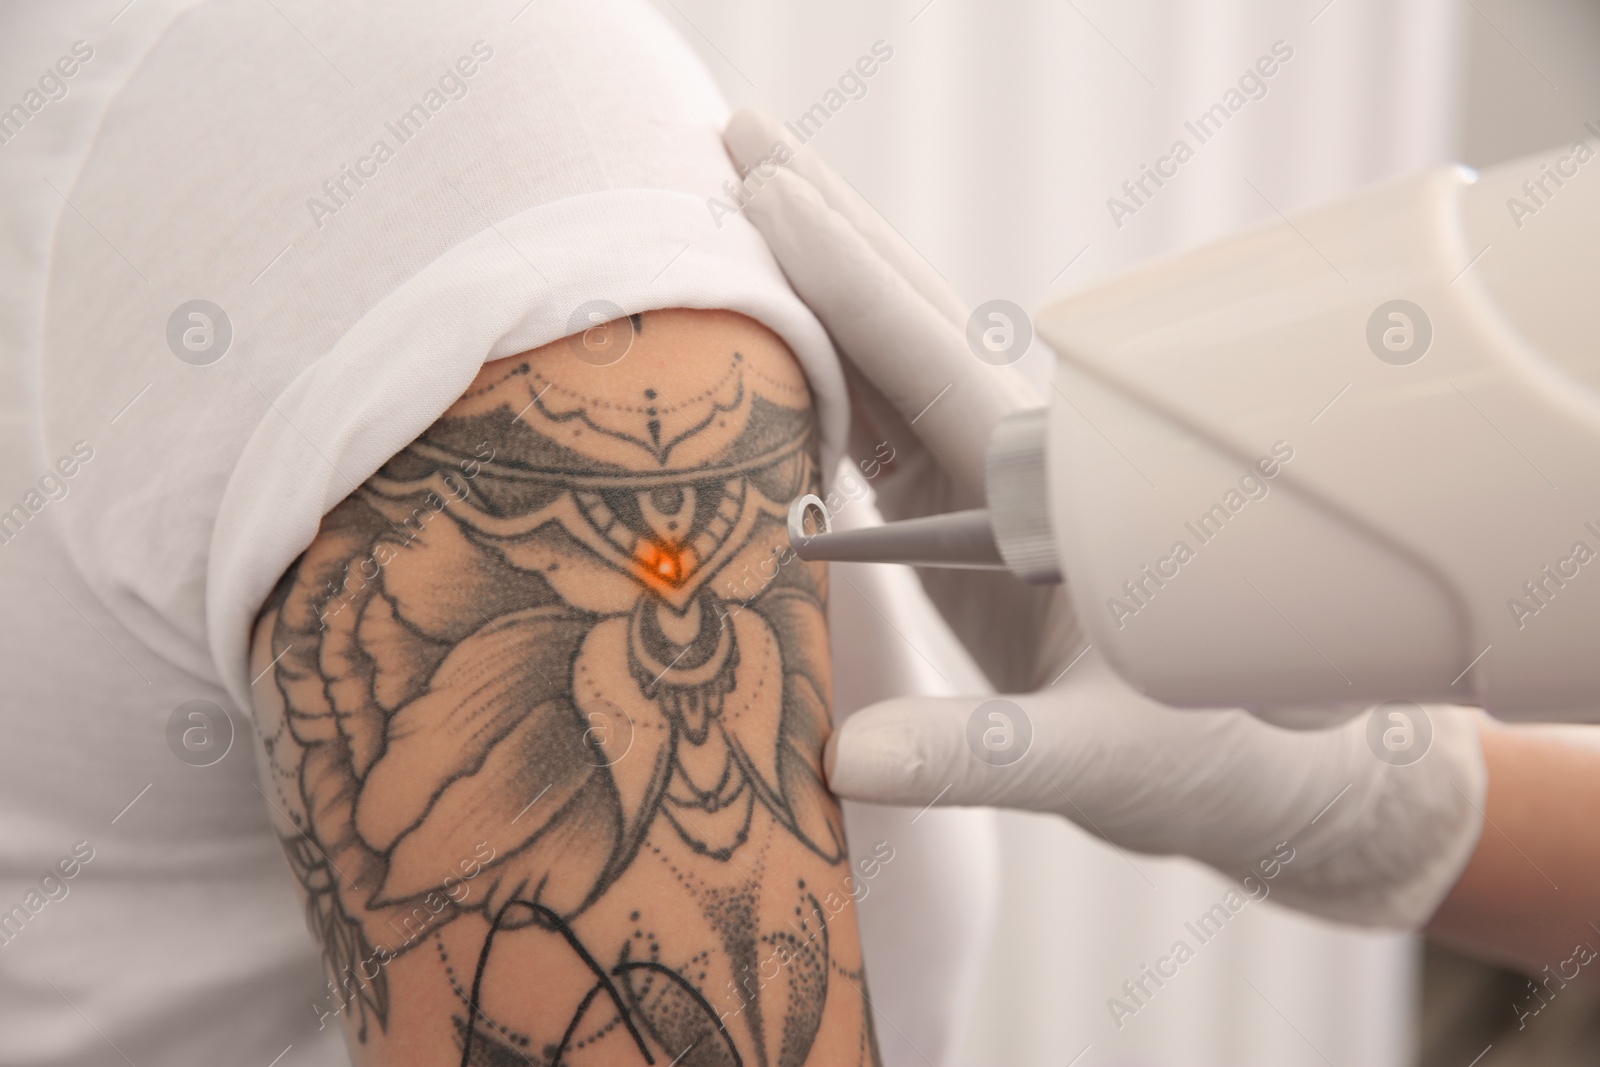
[{"x": 1343, "y": 458}]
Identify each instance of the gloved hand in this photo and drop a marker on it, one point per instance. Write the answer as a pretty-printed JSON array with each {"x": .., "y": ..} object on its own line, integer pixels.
[
  {"x": 1368, "y": 842},
  {"x": 1371, "y": 842}
]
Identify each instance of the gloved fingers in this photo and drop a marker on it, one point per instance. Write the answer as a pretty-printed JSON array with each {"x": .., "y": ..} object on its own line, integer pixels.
[
  {"x": 1320, "y": 818},
  {"x": 751, "y": 137},
  {"x": 917, "y": 359},
  {"x": 946, "y": 751},
  {"x": 1147, "y": 776}
]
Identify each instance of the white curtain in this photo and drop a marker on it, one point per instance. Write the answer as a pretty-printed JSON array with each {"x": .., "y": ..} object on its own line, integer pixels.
[{"x": 992, "y": 140}]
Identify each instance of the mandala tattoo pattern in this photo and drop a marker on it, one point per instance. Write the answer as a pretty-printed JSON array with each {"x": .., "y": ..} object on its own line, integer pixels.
[{"x": 553, "y": 657}]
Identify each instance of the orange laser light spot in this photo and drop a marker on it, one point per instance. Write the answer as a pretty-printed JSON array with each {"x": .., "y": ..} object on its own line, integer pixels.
[{"x": 662, "y": 562}]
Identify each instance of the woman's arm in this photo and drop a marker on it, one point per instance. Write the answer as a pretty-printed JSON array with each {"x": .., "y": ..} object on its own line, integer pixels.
[
  {"x": 548, "y": 698},
  {"x": 1530, "y": 896}
]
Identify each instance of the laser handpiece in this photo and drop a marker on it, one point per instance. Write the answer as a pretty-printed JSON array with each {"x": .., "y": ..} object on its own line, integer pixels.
[
  {"x": 1350, "y": 456},
  {"x": 1012, "y": 533}
]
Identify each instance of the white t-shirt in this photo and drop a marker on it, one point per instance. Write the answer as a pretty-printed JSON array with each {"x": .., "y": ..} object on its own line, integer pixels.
[{"x": 252, "y": 251}]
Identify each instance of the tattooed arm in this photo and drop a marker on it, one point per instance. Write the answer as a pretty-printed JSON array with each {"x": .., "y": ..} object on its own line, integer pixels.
[{"x": 544, "y": 744}]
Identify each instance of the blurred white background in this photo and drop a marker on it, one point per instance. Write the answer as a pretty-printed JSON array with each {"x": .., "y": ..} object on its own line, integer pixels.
[{"x": 991, "y": 141}]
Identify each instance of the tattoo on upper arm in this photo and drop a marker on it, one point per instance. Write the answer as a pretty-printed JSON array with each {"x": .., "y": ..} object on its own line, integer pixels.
[{"x": 555, "y": 655}]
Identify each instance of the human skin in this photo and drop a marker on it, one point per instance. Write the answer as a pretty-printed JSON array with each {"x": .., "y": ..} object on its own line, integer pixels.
[
  {"x": 543, "y": 715},
  {"x": 1530, "y": 895}
]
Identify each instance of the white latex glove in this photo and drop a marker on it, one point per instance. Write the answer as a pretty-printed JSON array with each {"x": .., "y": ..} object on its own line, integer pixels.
[
  {"x": 1369, "y": 842},
  {"x": 1372, "y": 842}
]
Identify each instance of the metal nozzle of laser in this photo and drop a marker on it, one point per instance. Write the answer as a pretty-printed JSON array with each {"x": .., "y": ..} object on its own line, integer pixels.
[{"x": 1013, "y": 533}]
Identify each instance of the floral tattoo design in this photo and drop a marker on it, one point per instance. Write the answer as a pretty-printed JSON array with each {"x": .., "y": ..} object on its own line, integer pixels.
[{"x": 554, "y": 656}]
